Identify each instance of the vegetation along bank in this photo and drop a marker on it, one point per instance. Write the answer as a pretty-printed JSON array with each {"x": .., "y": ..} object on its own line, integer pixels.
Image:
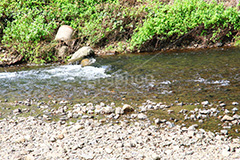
[{"x": 28, "y": 28}]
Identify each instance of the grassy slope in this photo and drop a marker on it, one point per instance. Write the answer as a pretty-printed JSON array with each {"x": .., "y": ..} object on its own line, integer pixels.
[{"x": 28, "y": 28}]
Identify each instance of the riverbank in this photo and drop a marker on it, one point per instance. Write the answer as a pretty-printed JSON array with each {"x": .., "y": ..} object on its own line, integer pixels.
[
  {"x": 114, "y": 27},
  {"x": 132, "y": 137}
]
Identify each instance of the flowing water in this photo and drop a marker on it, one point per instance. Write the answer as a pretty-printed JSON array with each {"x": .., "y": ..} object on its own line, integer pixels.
[{"x": 187, "y": 76}]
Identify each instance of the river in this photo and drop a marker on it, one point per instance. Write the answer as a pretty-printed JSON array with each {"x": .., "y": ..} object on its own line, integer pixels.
[{"x": 186, "y": 75}]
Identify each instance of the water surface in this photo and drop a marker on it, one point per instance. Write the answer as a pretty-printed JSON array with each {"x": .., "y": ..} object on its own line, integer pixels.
[{"x": 188, "y": 76}]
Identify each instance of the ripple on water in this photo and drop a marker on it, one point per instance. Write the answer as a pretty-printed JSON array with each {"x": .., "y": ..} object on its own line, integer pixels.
[{"x": 188, "y": 76}]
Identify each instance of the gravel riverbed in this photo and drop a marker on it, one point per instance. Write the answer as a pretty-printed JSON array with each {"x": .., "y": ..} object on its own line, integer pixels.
[{"x": 32, "y": 138}]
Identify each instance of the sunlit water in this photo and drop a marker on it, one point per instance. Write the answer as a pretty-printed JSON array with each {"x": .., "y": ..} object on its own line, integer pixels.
[{"x": 188, "y": 76}]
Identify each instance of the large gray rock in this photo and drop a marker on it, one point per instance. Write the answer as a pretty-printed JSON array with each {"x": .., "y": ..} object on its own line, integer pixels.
[
  {"x": 80, "y": 54},
  {"x": 64, "y": 33}
]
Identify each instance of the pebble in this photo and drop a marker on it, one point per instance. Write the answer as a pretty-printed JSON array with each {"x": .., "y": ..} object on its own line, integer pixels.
[
  {"x": 109, "y": 150},
  {"x": 142, "y": 116},
  {"x": 222, "y": 104},
  {"x": 118, "y": 111},
  {"x": 170, "y": 111},
  {"x": 227, "y": 118},
  {"x": 235, "y": 103},
  {"x": 205, "y": 103},
  {"x": 85, "y": 117},
  {"x": 127, "y": 108},
  {"x": 87, "y": 139},
  {"x": 235, "y": 109},
  {"x": 235, "y": 116},
  {"x": 226, "y": 111},
  {"x": 110, "y": 139},
  {"x": 17, "y": 111},
  {"x": 224, "y": 132}
]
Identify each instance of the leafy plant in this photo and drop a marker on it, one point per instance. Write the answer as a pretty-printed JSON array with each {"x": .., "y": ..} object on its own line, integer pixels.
[
  {"x": 28, "y": 27},
  {"x": 181, "y": 17}
]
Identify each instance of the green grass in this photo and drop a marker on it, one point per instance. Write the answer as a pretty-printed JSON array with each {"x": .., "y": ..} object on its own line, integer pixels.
[{"x": 29, "y": 28}]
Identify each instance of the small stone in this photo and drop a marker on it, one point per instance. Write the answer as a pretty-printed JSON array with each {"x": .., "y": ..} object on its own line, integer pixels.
[
  {"x": 227, "y": 127},
  {"x": 17, "y": 111},
  {"x": 102, "y": 104},
  {"x": 189, "y": 153},
  {"x": 29, "y": 157},
  {"x": 63, "y": 102},
  {"x": 205, "y": 103},
  {"x": 224, "y": 132},
  {"x": 85, "y": 117},
  {"x": 60, "y": 136},
  {"x": 52, "y": 139},
  {"x": 157, "y": 121},
  {"x": 70, "y": 115},
  {"x": 235, "y": 116},
  {"x": 108, "y": 150},
  {"x": 227, "y": 118},
  {"x": 183, "y": 111},
  {"x": 112, "y": 104},
  {"x": 193, "y": 127},
  {"x": 222, "y": 104},
  {"x": 46, "y": 117},
  {"x": 225, "y": 153},
  {"x": 132, "y": 144},
  {"x": 133, "y": 116},
  {"x": 180, "y": 104},
  {"x": 170, "y": 125},
  {"x": 143, "y": 109},
  {"x": 20, "y": 140},
  {"x": 127, "y": 108},
  {"x": 107, "y": 110},
  {"x": 103, "y": 120},
  {"x": 170, "y": 111},
  {"x": 77, "y": 127},
  {"x": 235, "y": 109},
  {"x": 193, "y": 117},
  {"x": 118, "y": 111},
  {"x": 235, "y": 103},
  {"x": 235, "y": 122},
  {"x": 200, "y": 136},
  {"x": 44, "y": 106},
  {"x": 116, "y": 116},
  {"x": 142, "y": 116},
  {"x": 226, "y": 111},
  {"x": 87, "y": 156},
  {"x": 150, "y": 107},
  {"x": 63, "y": 118},
  {"x": 27, "y": 137}
]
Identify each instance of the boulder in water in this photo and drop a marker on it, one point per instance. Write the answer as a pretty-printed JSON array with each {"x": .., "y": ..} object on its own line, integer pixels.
[{"x": 80, "y": 54}]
